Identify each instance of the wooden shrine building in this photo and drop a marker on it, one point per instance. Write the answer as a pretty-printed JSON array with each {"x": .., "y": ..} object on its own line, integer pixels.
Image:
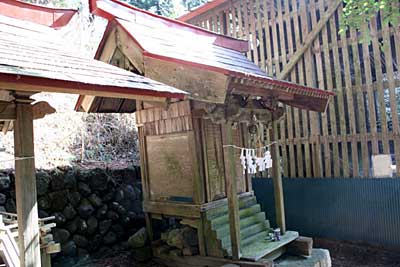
[
  {"x": 190, "y": 170},
  {"x": 33, "y": 59}
]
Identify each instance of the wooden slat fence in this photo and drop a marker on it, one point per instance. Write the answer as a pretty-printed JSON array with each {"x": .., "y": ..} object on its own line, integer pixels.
[{"x": 298, "y": 40}]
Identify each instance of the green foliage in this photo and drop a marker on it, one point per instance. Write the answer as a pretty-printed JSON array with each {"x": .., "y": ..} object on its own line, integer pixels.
[
  {"x": 358, "y": 13},
  {"x": 160, "y": 7},
  {"x": 55, "y": 3},
  {"x": 192, "y": 4},
  {"x": 166, "y": 7}
]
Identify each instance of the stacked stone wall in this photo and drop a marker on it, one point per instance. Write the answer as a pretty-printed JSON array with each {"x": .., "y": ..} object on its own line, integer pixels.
[{"x": 94, "y": 209}]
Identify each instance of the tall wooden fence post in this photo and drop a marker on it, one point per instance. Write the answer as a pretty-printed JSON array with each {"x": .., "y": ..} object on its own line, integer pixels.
[
  {"x": 25, "y": 187},
  {"x": 231, "y": 187},
  {"x": 277, "y": 179}
]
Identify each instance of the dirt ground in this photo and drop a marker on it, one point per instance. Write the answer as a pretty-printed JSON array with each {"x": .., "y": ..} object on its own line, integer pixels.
[{"x": 343, "y": 254}]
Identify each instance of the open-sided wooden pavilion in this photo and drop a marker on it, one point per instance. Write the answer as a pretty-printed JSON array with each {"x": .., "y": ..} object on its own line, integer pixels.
[
  {"x": 190, "y": 170},
  {"x": 34, "y": 59}
]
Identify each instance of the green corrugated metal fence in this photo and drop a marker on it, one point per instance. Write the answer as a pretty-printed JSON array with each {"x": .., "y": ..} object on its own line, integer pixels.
[{"x": 365, "y": 210}]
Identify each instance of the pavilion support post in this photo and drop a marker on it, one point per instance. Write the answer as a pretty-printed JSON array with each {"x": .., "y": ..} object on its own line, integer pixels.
[
  {"x": 25, "y": 187},
  {"x": 231, "y": 188},
  {"x": 277, "y": 180}
]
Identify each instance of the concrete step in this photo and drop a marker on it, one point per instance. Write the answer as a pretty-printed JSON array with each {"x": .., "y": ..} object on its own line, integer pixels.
[
  {"x": 258, "y": 249},
  {"x": 244, "y": 202},
  {"x": 224, "y": 219},
  {"x": 245, "y": 233},
  {"x": 223, "y": 229}
]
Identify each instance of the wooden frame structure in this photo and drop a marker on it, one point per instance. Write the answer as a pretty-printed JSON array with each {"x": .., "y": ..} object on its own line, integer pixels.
[
  {"x": 298, "y": 40},
  {"x": 189, "y": 169},
  {"x": 32, "y": 60}
]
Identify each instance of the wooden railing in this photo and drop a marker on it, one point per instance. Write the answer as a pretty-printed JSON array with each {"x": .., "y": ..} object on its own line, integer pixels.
[{"x": 9, "y": 250}]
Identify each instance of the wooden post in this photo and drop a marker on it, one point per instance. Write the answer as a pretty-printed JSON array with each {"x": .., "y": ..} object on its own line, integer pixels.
[
  {"x": 277, "y": 180},
  {"x": 231, "y": 188},
  {"x": 25, "y": 187}
]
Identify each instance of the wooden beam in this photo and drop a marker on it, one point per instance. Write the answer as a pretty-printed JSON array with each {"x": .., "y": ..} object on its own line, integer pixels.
[
  {"x": 42, "y": 88},
  {"x": 25, "y": 187},
  {"x": 172, "y": 209},
  {"x": 41, "y": 109},
  {"x": 231, "y": 188},
  {"x": 8, "y": 111},
  {"x": 5, "y": 95},
  {"x": 309, "y": 40},
  {"x": 6, "y": 126},
  {"x": 277, "y": 179}
]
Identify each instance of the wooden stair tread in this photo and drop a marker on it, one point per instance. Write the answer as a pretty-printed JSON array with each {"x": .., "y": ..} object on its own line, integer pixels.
[{"x": 261, "y": 248}]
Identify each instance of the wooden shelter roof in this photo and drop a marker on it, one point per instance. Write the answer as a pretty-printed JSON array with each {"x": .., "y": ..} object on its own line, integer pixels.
[
  {"x": 182, "y": 44},
  {"x": 34, "y": 58},
  {"x": 52, "y": 17}
]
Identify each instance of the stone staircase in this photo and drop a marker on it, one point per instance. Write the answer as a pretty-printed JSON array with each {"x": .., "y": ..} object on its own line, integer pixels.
[{"x": 254, "y": 230}]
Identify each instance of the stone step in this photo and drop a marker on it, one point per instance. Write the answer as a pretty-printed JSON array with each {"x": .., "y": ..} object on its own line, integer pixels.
[
  {"x": 244, "y": 202},
  {"x": 246, "y": 212}
]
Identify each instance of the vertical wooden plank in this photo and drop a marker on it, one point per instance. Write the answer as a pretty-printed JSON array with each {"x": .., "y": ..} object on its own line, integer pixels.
[
  {"x": 311, "y": 81},
  {"x": 370, "y": 95},
  {"x": 332, "y": 113},
  {"x": 297, "y": 112},
  {"x": 269, "y": 59},
  {"x": 224, "y": 23},
  {"x": 240, "y": 19},
  {"x": 201, "y": 235},
  {"x": 350, "y": 104},
  {"x": 276, "y": 59},
  {"x": 302, "y": 70},
  {"x": 208, "y": 197},
  {"x": 234, "y": 20},
  {"x": 256, "y": 59},
  {"x": 195, "y": 144},
  {"x": 260, "y": 33},
  {"x": 25, "y": 187},
  {"x": 324, "y": 117},
  {"x": 360, "y": 104},
  {"x": 277, "y": 180},
  {"x": 275, "y": 56},
  {"x": 387, "y": 50},
  {"x": 289, "y": 110},
  {"x": 380, "y": 90},
  {"x": 340, "y": 96},
  {"x": 397, "y": 46},
  {"x": 231, "y": 187},
  {"x": 246, "y": 20},
  {"x": 281, "y": 33},
  {"x": 149, "y": 226}
]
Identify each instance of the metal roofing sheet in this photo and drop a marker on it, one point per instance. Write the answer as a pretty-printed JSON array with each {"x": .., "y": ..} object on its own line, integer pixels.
[
  {"x": 158, "y": 39},
  {"x": 29, "y": 49}
]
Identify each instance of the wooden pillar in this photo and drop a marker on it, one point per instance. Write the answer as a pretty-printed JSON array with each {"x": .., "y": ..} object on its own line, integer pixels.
[
  {"x": 145, "y": 179},
  {"x": 25, "y": 187},
  {"x": 277, "y": 180},
  {"x": 231, "y": 188}
]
